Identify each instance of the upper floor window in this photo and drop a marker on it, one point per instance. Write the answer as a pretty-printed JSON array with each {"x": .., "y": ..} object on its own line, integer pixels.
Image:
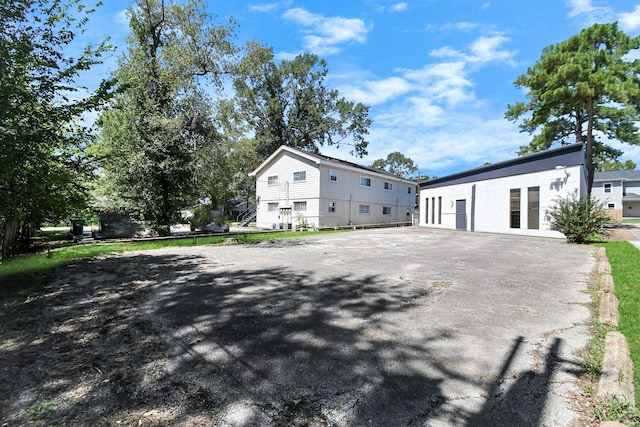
[
  {"x": 299, "y": 206},
  {"x": 388, "y": 185},
  {"x": 607, "y": 187},
  {"x": 273, "y": 179},
  {"x": 365, "y": 182},
  {"x": 333, "y": 175},
  {"x": 408, "y": 190},
  {"x": 300, "y": 176}
]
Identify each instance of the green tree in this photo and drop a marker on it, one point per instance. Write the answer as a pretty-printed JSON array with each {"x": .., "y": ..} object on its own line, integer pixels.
[
  {"x": 160, "y": 135},
  {"x": 584, "y": 88},
  {"x": 43, "y": 161},
  {"x": 290, "y": 104},
  {"x": 611, "y": 166},
  {"x": 398, "y": 164}
]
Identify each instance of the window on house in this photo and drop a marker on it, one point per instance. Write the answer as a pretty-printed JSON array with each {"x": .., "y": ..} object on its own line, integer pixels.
[
  {"x": 272, "y": 207},
  {"x": 365, "y": 182},
  {"x": 408, "y": 190},
  {"x": 364, "y": 209},
  {"x": 386, "y": 210},
  {"x": 388, "y": 185},
  {"x": 300, "y": 176},
  {"x": 433, "y": 210},
  {"x": 533, "y": 208},
  {"x": 299, "y": 206},
  {"x": 273, "y": 179},
  {"x": 439, "y": 210},
  {"x": 332, "y": 206},
  {"x": 607, "y": 187},
  {"x": 426, "y": 210},
  {"x": 611, "y": 206},
  {"x": 333, "y": 175},
  {"x": 514, "y": 207}
]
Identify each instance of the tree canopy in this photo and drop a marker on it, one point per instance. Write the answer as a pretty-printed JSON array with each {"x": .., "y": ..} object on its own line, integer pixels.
[
  {"x": 289, "y": 104},
  {"x": 42, "y": 140},
  {"x": 398, "y": 164},
  {"x": 586, "y": 88},
  {"x": 158, "y": 137}
]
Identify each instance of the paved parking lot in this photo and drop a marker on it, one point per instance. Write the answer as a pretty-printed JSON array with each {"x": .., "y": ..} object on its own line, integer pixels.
[{"x": 383, "y": 327}]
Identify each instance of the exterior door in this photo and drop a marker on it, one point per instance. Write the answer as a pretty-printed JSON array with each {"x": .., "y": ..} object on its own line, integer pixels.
[{"x": 461, "y": 214}]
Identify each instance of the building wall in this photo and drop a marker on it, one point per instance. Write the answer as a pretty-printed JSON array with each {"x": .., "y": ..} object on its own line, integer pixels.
[
  {"x": 490, "y": 211},
  {"x": 286, "y": 192},
  {"x": 614, "y": 199},
  {"x": 346, "y": 194}
]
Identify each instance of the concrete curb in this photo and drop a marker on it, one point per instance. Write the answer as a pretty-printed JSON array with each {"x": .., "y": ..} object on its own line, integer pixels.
[
  {"x": 617, "y": 373},
  {"x": 617, "y": 369}
]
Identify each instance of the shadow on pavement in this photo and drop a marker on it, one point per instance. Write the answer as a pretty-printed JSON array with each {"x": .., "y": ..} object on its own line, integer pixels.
[{"x": 156, "y": 339}]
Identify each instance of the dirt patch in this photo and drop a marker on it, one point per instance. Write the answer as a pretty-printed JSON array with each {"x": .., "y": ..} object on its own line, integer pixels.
[
  {"x": 621, "y": 234},
  {"x": 81, "y": 352}
]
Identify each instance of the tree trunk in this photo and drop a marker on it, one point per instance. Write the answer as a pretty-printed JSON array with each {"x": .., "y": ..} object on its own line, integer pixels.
[
  {"x": 589, "y": 148},
  {"x": 9, "y": 231}
]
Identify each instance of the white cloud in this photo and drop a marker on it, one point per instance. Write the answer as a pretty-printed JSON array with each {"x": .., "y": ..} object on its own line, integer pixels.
[
  {"x": 269, "y": 7},
  {"x": 630, "y": 21},
  {"x": 482, "y": 50},
  {"x": 444, "y": 82},
  {"x": 326, "y": 34},
  {"x": 486, "y": 49},
  {"x": 377, "y": 92},
  {"x": 589, "y": 13},
  {"x": 399, "y": 7}
]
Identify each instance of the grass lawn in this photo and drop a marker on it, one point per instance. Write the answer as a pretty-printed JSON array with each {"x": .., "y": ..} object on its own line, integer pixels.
[
  {"x": 631, "y": 221},
  {"x": 625, "y": 269},
  {"x": 30, "y": 270}
]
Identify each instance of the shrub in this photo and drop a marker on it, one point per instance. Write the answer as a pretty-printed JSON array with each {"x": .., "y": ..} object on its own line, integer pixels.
[{"x": 580, "y": 219}]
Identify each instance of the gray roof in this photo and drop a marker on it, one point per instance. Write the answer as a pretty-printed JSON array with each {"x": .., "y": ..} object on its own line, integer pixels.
[
  {"x": 569, "y": 155},
  {"x": 348, "y": 163},
  {"x": 617, "y": 176}
]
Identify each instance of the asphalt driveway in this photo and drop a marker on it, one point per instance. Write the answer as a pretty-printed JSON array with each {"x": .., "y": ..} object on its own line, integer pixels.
[
  {"x": 388, "y": 327},
  {"x": 382, "y": 327}
]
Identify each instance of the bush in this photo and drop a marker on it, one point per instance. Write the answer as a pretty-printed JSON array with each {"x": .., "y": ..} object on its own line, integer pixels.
[{"x": 580, "y": 219}]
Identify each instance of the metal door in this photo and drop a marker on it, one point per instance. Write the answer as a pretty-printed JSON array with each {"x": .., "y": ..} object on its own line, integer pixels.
[{"x": 461, "y": 214}]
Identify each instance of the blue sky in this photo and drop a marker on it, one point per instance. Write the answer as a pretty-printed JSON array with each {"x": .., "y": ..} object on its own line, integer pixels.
[{"x": 438, "y": 75}]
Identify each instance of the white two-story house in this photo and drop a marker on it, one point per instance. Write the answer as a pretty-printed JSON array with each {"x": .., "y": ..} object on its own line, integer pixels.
[
  {"x": 619, "y": 191},
  {"x": 297, "y": 188}
]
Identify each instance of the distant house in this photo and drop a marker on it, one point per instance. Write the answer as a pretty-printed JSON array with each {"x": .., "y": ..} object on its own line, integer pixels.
[
  {"x": 513, "y": 197},
  {"x": 297, "y": 188},
  {"x": 620, "y": 191}
]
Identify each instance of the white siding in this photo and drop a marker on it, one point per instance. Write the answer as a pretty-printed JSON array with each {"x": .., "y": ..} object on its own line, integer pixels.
[
  {"x": 318, "y": 190},
  {"x": 348, "y": 195},
  {"x": 615, "y": 196},
  {"x": 286, "y": 191},
  {"x": 492, "y": 199}
]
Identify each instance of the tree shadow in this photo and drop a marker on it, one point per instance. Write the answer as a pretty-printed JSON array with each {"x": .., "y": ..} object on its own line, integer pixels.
[
  {"x": 523, "y": 402},
  {"x": 146, "y": 339}
]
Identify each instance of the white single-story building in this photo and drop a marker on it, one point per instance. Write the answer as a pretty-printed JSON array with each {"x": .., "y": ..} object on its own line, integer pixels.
[
  {"x": 298, "y": 188},
  {"x": 619, "y": 191},
  {"x": 515, "y": 196}
]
